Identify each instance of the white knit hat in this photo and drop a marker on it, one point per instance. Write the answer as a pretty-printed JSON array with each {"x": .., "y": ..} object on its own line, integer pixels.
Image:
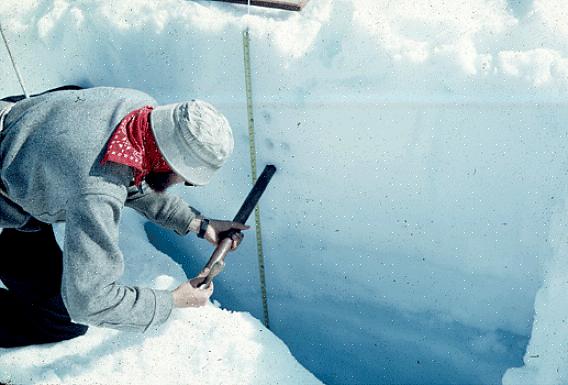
[{"x": 194, "y": 138}]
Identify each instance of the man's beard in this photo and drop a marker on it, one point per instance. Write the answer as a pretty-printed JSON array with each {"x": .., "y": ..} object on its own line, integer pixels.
[{"x": 160, "y": 181}]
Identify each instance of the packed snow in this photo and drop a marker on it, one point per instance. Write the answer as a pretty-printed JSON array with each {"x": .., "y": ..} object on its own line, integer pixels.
[
  {"x": 207, "y": 345},
  {"x": 419, "y": 205}
]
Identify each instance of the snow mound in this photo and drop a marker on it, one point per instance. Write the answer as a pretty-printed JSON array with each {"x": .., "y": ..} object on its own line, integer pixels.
[{"x": 206, "y": 345}]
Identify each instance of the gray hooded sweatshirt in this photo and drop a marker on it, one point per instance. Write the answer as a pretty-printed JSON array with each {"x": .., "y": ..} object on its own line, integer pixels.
[{"x": 50, "y": 169}]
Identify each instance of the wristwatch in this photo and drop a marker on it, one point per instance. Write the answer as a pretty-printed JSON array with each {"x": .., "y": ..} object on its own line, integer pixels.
[{"x": 203, "y": 228}]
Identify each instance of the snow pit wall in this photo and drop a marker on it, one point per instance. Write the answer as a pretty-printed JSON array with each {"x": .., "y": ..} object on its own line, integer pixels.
[{"x": 420, "y": 148}]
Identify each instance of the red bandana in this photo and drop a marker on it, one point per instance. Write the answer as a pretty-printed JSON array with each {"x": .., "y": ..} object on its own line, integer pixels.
[{"x": 132, "y": 144}]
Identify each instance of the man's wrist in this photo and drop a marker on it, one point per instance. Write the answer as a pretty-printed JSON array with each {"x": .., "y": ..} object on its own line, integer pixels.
[
  {"x": 195, "y": 224},
  {"x": 203, "y": 228}
]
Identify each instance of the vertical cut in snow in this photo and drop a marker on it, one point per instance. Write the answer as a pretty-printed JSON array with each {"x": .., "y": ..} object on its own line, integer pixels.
[
  {"x": 546, "y": 357},
  {"x": 420, "y": 148}
]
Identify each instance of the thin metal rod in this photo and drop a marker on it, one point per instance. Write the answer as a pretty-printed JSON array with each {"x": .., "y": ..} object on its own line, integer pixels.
[{"x": 20, "y": 79}]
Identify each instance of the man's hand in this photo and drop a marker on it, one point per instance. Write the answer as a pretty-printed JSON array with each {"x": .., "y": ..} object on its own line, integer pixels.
[
  {"x": 216, "y": 228},
  {"x": 188, "y": 296}
]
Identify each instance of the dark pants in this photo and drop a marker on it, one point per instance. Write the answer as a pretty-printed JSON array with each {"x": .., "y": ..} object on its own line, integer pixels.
[{"x": 32, "y": 310}]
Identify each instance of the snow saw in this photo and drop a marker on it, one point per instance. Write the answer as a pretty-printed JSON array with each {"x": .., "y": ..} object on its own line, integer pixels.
[{"x": 217, "y": 261}]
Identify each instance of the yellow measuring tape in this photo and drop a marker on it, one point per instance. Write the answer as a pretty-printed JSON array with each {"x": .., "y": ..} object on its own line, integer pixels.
[{"x": 252, "y": 150}]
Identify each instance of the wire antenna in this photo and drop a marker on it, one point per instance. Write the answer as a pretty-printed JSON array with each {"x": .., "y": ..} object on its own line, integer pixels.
[{"x": 20, "y": 79}]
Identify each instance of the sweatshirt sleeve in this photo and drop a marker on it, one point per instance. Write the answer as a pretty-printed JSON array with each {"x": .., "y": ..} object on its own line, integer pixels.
[
  {"x": 93, "y": 264},
  {"x": 167, "y": 210}
]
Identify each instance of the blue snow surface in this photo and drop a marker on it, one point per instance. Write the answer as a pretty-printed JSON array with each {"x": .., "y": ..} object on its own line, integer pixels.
[{"x": 419, "y": 209}]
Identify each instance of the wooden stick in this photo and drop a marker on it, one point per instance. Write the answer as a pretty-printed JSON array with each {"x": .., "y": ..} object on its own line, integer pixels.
[{"x": 278, "y": 4}]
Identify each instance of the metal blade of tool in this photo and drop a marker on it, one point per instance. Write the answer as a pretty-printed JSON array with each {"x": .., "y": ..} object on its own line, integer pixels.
[
  {"x": 217, "y": 261},
  {"x": 255, "y": 193}
]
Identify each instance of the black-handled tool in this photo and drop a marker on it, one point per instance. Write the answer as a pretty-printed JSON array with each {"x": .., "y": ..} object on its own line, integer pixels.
[{"x": 217, "y": 260}]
